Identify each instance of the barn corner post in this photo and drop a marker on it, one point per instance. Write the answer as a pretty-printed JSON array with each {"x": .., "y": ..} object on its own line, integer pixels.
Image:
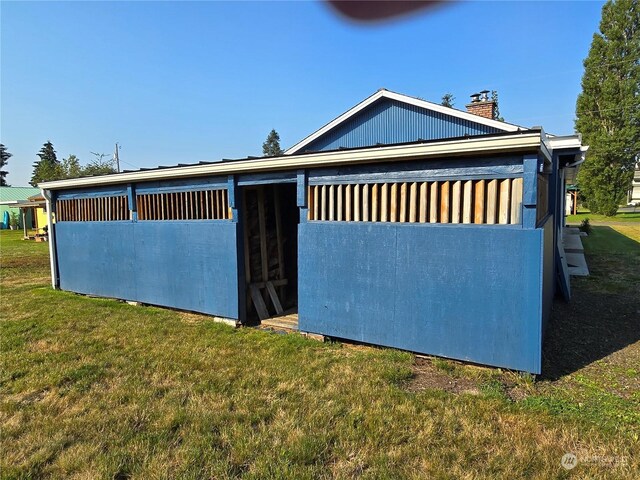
[
  {"x": 131, "y": 198},
  {"x": 235, "y": 211},
  {"x": 50, "y": 199},
  {"x": 302, "y": 180}
]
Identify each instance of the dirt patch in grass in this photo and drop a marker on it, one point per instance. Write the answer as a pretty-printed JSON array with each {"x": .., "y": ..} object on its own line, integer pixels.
[{"x": 427, "y": 376}]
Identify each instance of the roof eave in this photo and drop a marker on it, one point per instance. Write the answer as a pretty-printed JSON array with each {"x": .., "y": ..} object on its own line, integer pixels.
[{"x": 520, "y": 142}]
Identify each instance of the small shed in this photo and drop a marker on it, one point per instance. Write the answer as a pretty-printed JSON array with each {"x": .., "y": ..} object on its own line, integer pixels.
[
  {"x": 400, "y": 223},
  {"x": 17, "y": 200}
]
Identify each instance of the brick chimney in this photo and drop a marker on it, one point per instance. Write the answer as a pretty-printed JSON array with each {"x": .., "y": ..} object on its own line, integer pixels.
[{"x": 481, "y": 105}]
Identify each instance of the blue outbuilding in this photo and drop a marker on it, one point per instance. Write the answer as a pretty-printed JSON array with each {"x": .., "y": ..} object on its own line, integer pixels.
[{"x": 401, "y": 223}]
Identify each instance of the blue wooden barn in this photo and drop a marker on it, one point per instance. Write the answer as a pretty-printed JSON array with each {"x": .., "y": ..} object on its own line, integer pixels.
[{"x": 400, "y": 223}]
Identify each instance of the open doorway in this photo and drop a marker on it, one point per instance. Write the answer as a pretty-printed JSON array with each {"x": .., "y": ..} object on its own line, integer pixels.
[{"x": 270, "y": 220}]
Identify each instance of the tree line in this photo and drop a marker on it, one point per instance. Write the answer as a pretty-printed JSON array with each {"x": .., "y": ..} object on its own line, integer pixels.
[{"x": 48, "y": 167}]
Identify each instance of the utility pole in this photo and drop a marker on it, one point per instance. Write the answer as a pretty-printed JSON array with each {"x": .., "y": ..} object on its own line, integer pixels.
[{"x": 117, "y": 158}]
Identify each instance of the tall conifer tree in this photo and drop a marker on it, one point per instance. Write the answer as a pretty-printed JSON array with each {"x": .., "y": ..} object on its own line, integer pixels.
[
  {"x": 271, "y": 146},
  {"x": 4, "y": 158},
  {"x": 608, "y": 109},
  {"x": 48, "y": 167}
]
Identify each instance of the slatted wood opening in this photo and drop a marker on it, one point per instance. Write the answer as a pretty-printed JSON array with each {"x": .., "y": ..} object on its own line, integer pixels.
[
  {"x": 192, "y": 205},
  {"x": 96, "y": 209},
  {"x": 491, "y": 201},
  {"x": 270, "y": 221},
  {"x": 542, "y": 206}
]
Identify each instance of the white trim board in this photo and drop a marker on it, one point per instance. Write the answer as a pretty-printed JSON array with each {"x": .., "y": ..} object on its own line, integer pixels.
[
  {"x": 519, "y": 142},
  {"x": 383, "y": 93}
]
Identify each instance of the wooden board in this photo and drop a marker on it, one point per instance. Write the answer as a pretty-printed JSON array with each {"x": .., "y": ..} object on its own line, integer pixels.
[
  {"x": 444, "y": 202},
  {"x": 393, "y": 217},
  {"x": 492, "y": 201},
  {"x": 478, "y": 200},
  {"x": 424, "y": 204},
  {"x": 384, "y": 203},
  {"x": 516, "y": 200},
  {"x": 274, "y": 298},
  {"x": 505, "y": 201},
  {"x": 467, "y": 200},
  {"x": 258, "y": 302},
  {"x": 413, "y": 201},
  {"x": 456, "y": 197},
  {"x": 433, "y": 203},
  {"x": 374, "y": 202}
]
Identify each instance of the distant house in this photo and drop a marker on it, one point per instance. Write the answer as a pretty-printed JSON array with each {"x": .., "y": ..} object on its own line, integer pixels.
[
  {"x": 400, "y": 223},
  {"x": 634, "y": 191},
  {"x": 32, "y": 213}
]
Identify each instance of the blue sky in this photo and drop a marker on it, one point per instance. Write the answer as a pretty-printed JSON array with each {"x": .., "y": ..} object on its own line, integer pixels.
[{"x": 182, "y": 82}]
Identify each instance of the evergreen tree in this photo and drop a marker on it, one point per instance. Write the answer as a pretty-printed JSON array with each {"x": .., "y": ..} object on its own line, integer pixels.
[
  {"x": 496, "y": 110},
  {"x": 608, "y": 109},
  {"x": 447, "y": 100},
  {"x": 48, "y": 167},
  {"x": 4, "y": 158},
  {"x": 271, "y": 146}
]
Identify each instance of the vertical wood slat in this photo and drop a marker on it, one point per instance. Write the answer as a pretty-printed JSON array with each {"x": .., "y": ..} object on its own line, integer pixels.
[
  {"x": 403, "y": 202},
  {"x": 433, "y": 203},
  {"x": 316, "y": 203},
  {"x": 393, "y": 204},
  {"x": 263, "y": 235},
  {"x": 424, "y": 203},
  {"x": 444, "y": 202},
  {"x": 339, "y": 203},
  {"x": 310, "y": 202},
  {"x": 365, "y": 202},
  {"x": 467, "y": 201},
  {"x": 331, "y": 203},
  {"x": 479, "y": 206},
  {"x": 356, "y": 202},
  {"x": 456, "y": 197},
  {"x": 323, "y": 201},
  {"x": 516, "y": 200},
  {"x": 505, "y": 201},
  {"x": 349, "y": 204},
  {"x": 413, "y": 202},
  {"x": 492, "y": 201},
  {"x": 384, "y": 204},
  {"x": 374, "y": 202}
]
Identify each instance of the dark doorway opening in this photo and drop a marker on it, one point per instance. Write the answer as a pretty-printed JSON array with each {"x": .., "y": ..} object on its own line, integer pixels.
[{"x": 270, "y": 220}]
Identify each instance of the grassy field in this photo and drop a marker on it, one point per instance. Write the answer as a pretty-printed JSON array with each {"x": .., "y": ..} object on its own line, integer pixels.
[
  {"x": 595, "y": 218},
  {"x": 95, "y": 388}
]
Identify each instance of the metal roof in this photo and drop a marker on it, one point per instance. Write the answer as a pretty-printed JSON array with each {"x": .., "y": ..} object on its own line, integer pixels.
[
  {"x": 9, "y": 194},
  {"x": 501, "y": 143}
]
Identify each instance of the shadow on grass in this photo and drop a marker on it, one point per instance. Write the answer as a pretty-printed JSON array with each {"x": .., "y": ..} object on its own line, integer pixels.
[{"x": 603, "y": 316}]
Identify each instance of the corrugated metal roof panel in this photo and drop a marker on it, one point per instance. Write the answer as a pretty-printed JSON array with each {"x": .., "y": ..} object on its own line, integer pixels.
[{"x": 8, "y": 194}]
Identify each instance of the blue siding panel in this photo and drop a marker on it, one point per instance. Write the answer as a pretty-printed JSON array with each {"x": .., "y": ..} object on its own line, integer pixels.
[
  {"x": 390, "y": 121},
  {"x": 96, "y": 258},
  {"x": 186, "y": 265},
  {"x": 467, "y": 293}
]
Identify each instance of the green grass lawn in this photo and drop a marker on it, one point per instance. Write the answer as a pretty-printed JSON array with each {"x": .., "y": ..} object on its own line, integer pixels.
[
  {"x": 595, "y": 218},
  {"x": 97, "y": 388}
]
